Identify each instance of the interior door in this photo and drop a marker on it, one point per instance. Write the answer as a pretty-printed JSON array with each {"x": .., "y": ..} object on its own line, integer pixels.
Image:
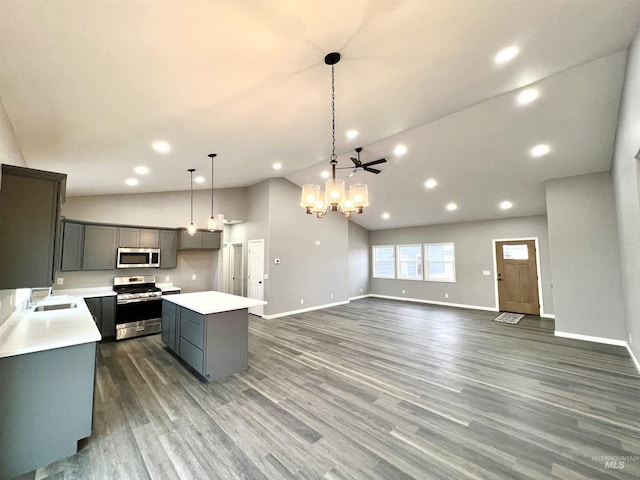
[
  {"x": 238, "y": 272},
  {"x": 255, "y": 274},
  {"x": 517, "y": 276}
]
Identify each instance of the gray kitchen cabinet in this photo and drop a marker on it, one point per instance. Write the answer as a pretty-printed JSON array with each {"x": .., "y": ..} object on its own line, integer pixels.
[
  {"x": 214, "y": 345},
  {"x": 168, "y": 248},
  {"x": 200, "y": 241},
  {"x": 100, "y": 247},
  {"x": 72, "y": 244},
  {"x": 103, "y": 310},
  {"x": 29, "y": 219},
  {"x": 137, "y": 237},
  {"x": 171, "y": 326}
]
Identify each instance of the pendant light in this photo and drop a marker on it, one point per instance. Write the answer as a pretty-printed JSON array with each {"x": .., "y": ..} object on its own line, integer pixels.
[
  {"x": 212, "y": 224},
  {"x": 334, "y": 198},
  {"x": 191, "y": 229}
]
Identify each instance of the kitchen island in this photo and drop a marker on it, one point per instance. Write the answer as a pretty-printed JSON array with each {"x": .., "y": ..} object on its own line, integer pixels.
[
  {"x": 209, "y": 331},
  {"x": 47, "y": 371}
]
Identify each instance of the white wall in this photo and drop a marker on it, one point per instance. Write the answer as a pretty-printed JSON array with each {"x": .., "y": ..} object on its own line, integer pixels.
[
  {"x": 474, "y": 253},
  {"x": 625, "y": 173},
  {"x": 359, "y": 260},
  {"x": 585, "y": 260}
]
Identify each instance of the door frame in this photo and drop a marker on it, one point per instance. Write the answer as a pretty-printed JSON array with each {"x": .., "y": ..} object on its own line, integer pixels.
[
  {"x": 232, "y": 266},
  {"x": 538, "y": 271},
  {"x": 258, "y": 310}
]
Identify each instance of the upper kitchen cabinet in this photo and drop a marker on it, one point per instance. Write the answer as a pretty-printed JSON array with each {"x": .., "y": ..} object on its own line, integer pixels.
[
  {"x": 138, "y": 237},
  {"x": 72, "y": 246},
  {"x": 168, "y": 249},
  {"x": 199, "y": 241},
  {"x": 100, "y": 247},
  {"x": 29, "y": 216}
]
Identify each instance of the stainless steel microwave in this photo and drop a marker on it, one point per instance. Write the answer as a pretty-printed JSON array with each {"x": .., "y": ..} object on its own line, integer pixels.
[{"x": 138, "y": 258}]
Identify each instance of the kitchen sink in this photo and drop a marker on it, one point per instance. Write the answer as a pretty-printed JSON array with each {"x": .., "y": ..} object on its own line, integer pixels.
[{"x": 57, "y": 306}]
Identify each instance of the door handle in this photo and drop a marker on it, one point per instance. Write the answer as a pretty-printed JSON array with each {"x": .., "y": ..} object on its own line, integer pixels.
[{"x": 260, "y": 282}]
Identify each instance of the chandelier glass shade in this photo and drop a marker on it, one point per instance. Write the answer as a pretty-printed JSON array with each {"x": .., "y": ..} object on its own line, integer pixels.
[{"x": 335, "y": 197}]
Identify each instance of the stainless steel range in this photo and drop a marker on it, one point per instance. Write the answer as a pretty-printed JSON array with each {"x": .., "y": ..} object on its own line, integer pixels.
[{"x": 138, "y": 306}]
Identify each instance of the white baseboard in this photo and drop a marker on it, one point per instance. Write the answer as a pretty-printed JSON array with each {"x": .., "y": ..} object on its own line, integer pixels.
[
  {"x": 433, "y": 302},
  {"x": 366, "y": 295},
  {"x": 633, "y": 357},
  {"x": 303, "y": 310},
  {"x": 588, "y": 338},
  {"x": 608, "y": 341},
  {"x": 547, "y": 315}
]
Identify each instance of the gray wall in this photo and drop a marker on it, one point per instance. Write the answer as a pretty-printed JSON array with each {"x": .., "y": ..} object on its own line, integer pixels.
[
  {"x": 359, "y": 260},
  {"x": 474, "y": 253},
  {"x": 307, "y": 271},
  {"x": 166, "y": 209},
  {"x": 627, "y": 194},
  {"x": 585, "y": 260}
]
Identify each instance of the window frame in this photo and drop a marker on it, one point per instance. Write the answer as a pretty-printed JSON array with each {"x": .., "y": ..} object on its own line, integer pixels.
[
  {"x": 399, "y": 261},
  {"x": 374, "y": 262},
  {"x": 427, "y": 262}
]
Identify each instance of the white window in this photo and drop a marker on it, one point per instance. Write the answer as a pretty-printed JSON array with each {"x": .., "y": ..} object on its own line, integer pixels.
[
  {"x": 410, "y": 262},
  {"x": 384, "y": 261},
  {"x": 440, "y": 262}
]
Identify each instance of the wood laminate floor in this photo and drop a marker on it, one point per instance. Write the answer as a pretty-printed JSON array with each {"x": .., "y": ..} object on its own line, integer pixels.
[{"x": 374, "y": 389}]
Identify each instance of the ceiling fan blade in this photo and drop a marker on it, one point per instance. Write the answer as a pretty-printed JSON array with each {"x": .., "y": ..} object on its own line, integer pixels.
[
  {"x": 372, "y": 170},
  {"x": 355, "y": 161},
  {"x": 375, "y": 162},
  {"x": 352, "y": 173}
]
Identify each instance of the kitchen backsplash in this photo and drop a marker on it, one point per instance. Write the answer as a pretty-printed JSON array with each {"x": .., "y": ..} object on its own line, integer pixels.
[{"x": 10, "y": 300}]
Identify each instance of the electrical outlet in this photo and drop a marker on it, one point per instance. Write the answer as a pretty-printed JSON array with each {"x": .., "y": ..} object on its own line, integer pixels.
[
  {"x": 59, "y": 281},
  {"x": 486, "y": 272},
  {"x": 446, "y": 295},
  {"x": 630, "y": 339},
  {"x": 194, "y": 276},
  {"x": 167, "y": 278},
  {"x": 302, "y": 301},
  {"x": 332, "y": 295},
  {"x": 317, "y": 242},
  {"x": 360, "y": 290},
  {"x": 403, "y": 292}
]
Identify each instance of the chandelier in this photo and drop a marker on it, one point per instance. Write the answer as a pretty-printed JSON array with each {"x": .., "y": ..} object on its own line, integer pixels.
[{"x": 334, "y": 198}]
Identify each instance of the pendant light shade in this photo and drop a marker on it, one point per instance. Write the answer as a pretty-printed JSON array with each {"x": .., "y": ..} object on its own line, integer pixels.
[
  {"x": 212, "y": 223},
  {"x": 191, "y": 229}
]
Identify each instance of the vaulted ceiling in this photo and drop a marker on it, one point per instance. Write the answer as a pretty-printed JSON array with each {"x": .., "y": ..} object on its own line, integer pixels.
[{"x": 89, "y": 86}]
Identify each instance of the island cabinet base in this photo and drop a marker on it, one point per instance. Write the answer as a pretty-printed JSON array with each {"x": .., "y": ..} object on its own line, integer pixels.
[
  {"x": 215, "y": 345},
  {"x": 46, "y": 406}
]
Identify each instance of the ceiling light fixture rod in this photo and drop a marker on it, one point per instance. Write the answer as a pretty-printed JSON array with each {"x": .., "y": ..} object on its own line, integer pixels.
[
  {"x": 191, "y": 229},
  {"x": 212, "y": 225}
]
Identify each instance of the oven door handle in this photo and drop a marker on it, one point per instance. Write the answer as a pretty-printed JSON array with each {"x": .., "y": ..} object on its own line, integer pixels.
[{"x": 139, "y": 300}]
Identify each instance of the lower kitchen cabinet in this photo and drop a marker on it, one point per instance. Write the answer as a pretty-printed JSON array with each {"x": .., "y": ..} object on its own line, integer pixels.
[
  {"x": 103, "y": 310},
  {"x": 214, "y": 345},
  {"x": 46, "y": 408}
]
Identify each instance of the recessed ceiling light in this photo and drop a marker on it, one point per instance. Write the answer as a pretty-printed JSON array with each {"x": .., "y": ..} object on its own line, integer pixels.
[
  {"x": 431, "y": 183},
  {"x": 400, "y": 150},
  {"x": 452, "y": 206},
  {"x": 141, "y": 170},
  {"x": 351, "y": 134},
  {"x": 540, "y": 150},
  {"x": 277, "y": 166},
  {"x": 386, "y": 216},
  {"x": 527, "y": 96},
  {"x": 506, "y": 205},
  {"x": 132, "y": 182},
  {"x": 506, "y": 55},
  {"x": 199, "y": 179},
  {"x": 161, "y": 146},
  {"x": 324, "y": 174}
]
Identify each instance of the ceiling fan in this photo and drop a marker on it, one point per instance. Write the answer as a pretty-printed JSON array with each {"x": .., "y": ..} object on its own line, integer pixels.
[{"x": 358, "y": 165}]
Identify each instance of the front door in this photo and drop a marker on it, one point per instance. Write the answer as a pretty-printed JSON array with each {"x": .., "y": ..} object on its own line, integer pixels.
[{"x": 517, "y": 276}]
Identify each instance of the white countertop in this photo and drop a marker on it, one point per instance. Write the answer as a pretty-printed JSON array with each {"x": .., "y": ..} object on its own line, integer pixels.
[
  {"x": 212, "y": 302},
  {"x": 168, "y": 287},
  {"x": 27, "y": 331}
]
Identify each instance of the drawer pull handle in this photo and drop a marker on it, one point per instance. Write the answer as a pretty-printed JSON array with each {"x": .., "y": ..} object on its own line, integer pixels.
[{"x": 139, "y": 329}]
